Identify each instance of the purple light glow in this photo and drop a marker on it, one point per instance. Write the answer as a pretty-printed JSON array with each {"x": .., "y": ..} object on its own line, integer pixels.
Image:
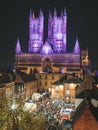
[
  {"x": 56, "y": 41},
  {"x": 35, "y": 32},
  {"x": 59, "y": 36},
  {"x": 51, "y": 55},
  {"x": 57, "y": 31},
  {"x": 77, "y": 48},
  {"x": 46, "y": 49},
  {"x": 18, "y": 48}
]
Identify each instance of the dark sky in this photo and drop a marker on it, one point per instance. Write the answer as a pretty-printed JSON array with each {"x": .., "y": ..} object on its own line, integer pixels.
[{"x": 82, "y": 22}]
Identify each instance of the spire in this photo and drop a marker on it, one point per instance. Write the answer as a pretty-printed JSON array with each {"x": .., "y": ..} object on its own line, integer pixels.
[
  {"x": 30, "y": 12},
  {"x": 41, "y": 14},
  {"x": 50, "y": 15},
  {"x": 33, "y": 15},
  {"x": 65, "y": 12},
  {"x": 77, "y": 47},
  {"x": 30, "y": 17},
  {"x": 61, "y": 13},
  {"x": 18, "y": 47},
  {"x": 55, "y": 14}
]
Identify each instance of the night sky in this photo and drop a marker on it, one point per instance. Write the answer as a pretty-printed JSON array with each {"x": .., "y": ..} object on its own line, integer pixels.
[{"x": 82, "y": 22}]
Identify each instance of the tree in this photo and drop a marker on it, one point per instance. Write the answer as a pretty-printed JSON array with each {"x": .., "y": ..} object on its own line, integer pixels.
[
  {"x": 10, "y": 113},
  {"x": 13, "y": 116},
  {"x": 33, "y": 121}
]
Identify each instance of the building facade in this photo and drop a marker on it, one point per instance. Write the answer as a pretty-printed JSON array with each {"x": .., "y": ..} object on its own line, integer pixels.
[
  {"x": 45, "y": 80},
  {"x": 25, "y": 85},
  {"x": 7, "y": 90},
  {"x": 50, "y": 56}
]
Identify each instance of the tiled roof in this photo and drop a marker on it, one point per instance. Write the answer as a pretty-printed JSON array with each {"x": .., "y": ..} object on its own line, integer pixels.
[
  {"x": 74, "y": 80},
  {"x": 23, "y": 78}
]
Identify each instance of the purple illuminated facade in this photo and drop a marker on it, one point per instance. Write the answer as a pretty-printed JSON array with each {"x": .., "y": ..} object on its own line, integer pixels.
[
  {"x": 52, "y": 55},
  {"x": 36, "y": 32},
  {"x": 56, "y": 32}
]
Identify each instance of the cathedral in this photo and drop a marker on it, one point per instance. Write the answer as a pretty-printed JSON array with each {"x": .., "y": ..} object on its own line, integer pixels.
[{"x": 50, "y": 55}]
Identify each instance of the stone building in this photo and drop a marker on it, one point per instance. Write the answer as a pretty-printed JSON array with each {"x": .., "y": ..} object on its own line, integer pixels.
[
  {"x": 49, "y": 57},
  {"x": 7, "y": 89},
  {"x": 25, "y": 85}
]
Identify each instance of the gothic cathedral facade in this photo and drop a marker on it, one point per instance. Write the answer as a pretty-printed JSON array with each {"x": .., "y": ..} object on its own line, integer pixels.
[{"x": 50, "y": 56}]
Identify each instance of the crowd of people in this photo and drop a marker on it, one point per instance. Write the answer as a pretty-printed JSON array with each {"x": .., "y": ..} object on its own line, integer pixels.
[{"x": 52, "y": 110}]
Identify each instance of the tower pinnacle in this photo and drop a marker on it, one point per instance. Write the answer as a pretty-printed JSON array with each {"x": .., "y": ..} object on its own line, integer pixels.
[
  {"x": 33, "y": 15},
  {"x": 65, "y": 12},
  {"x": 30, "y": 12},
  {"x": 50, "y": 16},
  {"x": 41, "y": 14},
  {"x": 18, "y": 47},
  {"x": 55, "y": 14},
  {"x": 77, "y": 48}
]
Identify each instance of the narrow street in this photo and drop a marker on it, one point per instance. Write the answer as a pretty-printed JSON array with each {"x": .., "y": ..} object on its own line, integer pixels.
[{"x": 86, "y": 121}]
